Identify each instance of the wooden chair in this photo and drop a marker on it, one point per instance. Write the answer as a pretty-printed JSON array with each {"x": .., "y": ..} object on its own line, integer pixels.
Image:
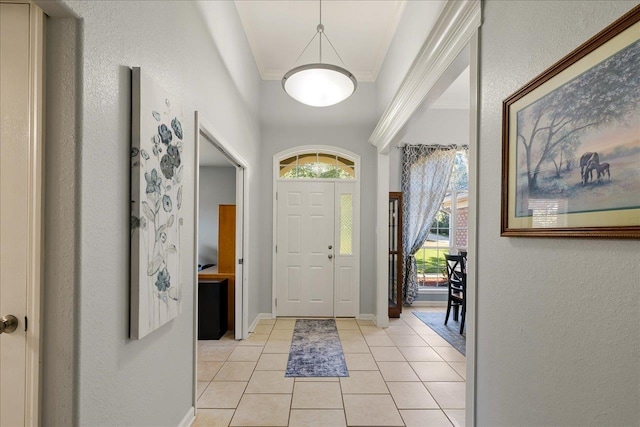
[{"x": 457, "y": 287}]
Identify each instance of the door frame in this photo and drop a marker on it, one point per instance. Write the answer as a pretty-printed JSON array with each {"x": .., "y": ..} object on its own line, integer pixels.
[
  {"x": 35, "y": 261},
  {"x": 204, "y": 130},
  {"x": 330, "y": 149}
]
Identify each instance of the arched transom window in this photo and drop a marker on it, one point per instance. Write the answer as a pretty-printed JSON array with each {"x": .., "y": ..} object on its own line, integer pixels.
[{"x": 317, "y": 165}]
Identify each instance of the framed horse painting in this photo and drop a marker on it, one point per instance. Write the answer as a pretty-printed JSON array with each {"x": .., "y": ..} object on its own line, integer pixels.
[{"x": 571, "y": 142}]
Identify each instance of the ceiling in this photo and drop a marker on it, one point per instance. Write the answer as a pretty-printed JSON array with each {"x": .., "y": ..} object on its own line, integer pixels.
[
  {"x": 212, "y": 156},
  {"x": 360, "y": 31}
]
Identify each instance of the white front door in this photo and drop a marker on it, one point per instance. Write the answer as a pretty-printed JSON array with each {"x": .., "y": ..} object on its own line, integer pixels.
[
  {"x": 20, "y": 212},
  {"x": 305, "y": 249}
]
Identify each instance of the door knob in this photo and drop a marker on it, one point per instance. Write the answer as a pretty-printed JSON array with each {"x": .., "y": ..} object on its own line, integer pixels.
[
  {"x": 330, "y": 256},
  {"x": 8, "y": 324}
]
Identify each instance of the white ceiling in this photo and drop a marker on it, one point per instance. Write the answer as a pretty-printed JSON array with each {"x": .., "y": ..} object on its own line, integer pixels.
[
  {"x": 360, "y": 31},
  {"x": 211, "y": 156}
]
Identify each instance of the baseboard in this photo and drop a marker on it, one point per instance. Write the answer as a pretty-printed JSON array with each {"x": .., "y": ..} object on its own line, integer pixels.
[
  {"x": 259, "y": 317},
  {"x": 429, "y": 304},
  {"x": 189, "y": 418},
  {"x": 365, "y": 316}
]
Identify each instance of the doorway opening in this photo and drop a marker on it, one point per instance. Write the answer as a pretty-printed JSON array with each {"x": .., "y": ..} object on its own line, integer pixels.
[
  {"x": 220, "y": 230},
  {"x": 218, "y": 155}
]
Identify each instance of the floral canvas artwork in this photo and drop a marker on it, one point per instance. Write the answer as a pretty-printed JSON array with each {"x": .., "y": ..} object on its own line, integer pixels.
[{"x": 156, "y": 206}]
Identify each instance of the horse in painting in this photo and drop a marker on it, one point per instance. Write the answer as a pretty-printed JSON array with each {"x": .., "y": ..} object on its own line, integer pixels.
[
  {"x": 602, "y": 168},
  {"x": 588, "y": 163}
]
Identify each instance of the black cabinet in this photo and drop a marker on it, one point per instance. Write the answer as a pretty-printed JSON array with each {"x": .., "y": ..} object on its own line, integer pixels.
[{"x": 212, "y": 309}]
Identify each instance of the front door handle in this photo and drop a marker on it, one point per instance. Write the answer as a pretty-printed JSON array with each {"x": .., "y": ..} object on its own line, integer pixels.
[
  {"x": 330, "y": 256},
  {"x": 8, "y": 324}
]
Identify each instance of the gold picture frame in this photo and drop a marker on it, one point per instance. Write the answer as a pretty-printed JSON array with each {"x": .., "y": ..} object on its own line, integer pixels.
[{"x": 571, "y": 142}]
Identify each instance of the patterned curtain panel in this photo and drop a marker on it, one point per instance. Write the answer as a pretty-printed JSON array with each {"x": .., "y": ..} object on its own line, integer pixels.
[{"x": 426, "y": 171}]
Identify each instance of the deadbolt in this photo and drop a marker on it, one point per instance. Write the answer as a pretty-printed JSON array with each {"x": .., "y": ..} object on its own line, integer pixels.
[
  {"x": 330, "y": 247},
  {"x": 8, "y": 324}
]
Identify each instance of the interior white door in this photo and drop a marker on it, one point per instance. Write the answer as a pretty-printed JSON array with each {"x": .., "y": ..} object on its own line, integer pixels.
[
  {"x": 19, "y": 200},
  {"x": 305, "y": 249}
]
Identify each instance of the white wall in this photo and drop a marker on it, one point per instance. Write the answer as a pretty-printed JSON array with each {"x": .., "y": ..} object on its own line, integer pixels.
[
  {"x": 217, "y": 187},
  {"x": 287, "y": 123},
  {"x": 114, "y": 380},
  {"x": 558, "y": 337},
  {"x": 414, "y": 27}
]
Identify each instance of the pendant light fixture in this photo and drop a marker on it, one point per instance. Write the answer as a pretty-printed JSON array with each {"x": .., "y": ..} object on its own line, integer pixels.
[{"x": 319, "y": 84}]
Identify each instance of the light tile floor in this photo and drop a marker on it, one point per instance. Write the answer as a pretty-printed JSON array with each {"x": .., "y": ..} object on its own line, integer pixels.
[{"x": 403, "y": 375}]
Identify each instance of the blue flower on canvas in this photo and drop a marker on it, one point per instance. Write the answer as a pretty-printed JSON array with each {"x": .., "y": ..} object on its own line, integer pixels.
[
  {"x": 177, "y": 127},
  {"x": 163, "y": 282},
  {"x": 156, "y": 144},
  {"x": 166, "y": 165},
  {"x": 166, "y": 203},
  {"x": 174, "y": 154},
  {"x": 153, "y": 181},
  {"x": 165, "y": 134}
]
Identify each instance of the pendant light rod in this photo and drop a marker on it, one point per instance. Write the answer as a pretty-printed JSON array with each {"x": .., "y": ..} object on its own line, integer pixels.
[
  {"x": 320, "y": 30},
  {"x": 319, "y": 33}
]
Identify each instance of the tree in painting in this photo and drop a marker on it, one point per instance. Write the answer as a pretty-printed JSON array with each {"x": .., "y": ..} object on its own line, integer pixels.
[{"x": 552, "y": 131}]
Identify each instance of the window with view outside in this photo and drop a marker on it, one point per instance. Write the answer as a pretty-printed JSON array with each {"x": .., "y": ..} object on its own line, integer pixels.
[
  {"x": 448, "y": 232},
  {"x": 317, "y": 165}
]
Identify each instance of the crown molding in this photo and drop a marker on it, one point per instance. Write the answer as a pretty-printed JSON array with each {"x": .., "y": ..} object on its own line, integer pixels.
[{"x": 454, "y": 28}]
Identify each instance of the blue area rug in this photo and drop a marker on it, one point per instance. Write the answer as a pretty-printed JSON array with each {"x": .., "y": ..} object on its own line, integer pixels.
[
  {"x": 450, "y": 332},
  {"x": 316, "y": 350}
]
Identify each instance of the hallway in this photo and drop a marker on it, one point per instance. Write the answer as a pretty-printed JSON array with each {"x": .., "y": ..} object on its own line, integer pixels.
[{"x": 401, "y": 375}]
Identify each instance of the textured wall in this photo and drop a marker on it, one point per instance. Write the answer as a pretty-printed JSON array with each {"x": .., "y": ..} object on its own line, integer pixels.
[
  {"x": 217, "y": 187},
  {"x": 148, "y": 382},
  {"x": 287, "y": 124},
  {"x": 558, "y": 339}
]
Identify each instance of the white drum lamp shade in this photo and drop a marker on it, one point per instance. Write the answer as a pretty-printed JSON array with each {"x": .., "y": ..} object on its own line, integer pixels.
[{"x": 319, "y": 85}]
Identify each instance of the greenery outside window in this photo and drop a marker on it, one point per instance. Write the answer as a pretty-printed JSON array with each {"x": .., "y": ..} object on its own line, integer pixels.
[{"x": 317, "y": 165}]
